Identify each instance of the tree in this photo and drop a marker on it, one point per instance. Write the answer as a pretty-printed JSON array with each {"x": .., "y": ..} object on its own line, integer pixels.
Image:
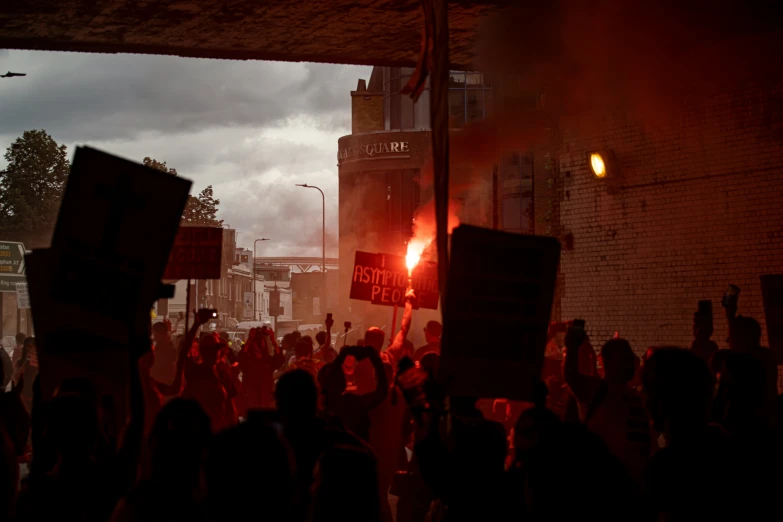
[
  {"x": 31, "y": 188},
  {"x": 201, "y": 210},
  {"x": 155, "y": 164}
]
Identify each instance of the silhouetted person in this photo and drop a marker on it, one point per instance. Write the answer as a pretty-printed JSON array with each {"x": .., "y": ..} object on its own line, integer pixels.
[
  {"x": 569, "y": 474},
  {"x": 28, "y": 365},
  {"x": 259, "y": 358},
  {"x": 165, "y": 366},
  {"x": 249, "y": 475},
  {"x": 353, "y": 410},
  {"x": 76, "y": 487},
  {"x": 296, "y": 396},
  {"x": 304, "y": 357},
  {"x": 178, "y": 443},
  {"x": 610, "y": 406},
  {"x": 16, "y": 356},
  {"x": 432, "y": 334},
  {"x": 466, "y": 472},
  {"x": 702, "y": 345},
  {"x": 745, "y": 337},
  {"x": 346, "y": 487},
  {"x": 693, "y": 476},
  {"x": 203, "y": 382}
]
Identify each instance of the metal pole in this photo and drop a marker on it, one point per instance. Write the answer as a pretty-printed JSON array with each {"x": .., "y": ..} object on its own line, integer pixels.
[
  {"x": 394, "y": 323},
  {"x": 323, "y": 240},
  {"x": 187, "y": 308},
  {"x": 255, "y": 298}
]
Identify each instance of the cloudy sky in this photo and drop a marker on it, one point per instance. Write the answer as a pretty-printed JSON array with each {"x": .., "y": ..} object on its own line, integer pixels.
[{"x": 252, "y": 130}]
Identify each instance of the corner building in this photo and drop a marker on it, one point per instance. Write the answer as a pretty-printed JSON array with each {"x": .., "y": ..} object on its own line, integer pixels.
[{"x": 383, "y": 179}]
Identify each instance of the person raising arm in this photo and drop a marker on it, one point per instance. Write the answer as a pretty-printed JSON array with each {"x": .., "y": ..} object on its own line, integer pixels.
[{"x": 396, "y": 350}]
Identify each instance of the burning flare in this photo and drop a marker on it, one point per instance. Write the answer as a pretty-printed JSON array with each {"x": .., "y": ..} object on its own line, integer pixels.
[
  {"x": 424, "y": 232},
  {"x": 416, "y": 247}
]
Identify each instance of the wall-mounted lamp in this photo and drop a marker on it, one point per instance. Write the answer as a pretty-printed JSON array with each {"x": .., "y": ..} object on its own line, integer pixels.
[{"x": 603, "y": 166}]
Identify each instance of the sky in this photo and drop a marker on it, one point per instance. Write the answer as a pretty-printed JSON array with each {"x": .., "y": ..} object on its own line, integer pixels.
[{"x": 251, "y": 129}]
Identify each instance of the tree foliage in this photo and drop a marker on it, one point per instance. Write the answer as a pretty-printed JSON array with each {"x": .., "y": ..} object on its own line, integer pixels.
[
  {"x": 157, "y": 165},
  {"x": 199, "y": 211},
  {"x": 31, "y": 188}
]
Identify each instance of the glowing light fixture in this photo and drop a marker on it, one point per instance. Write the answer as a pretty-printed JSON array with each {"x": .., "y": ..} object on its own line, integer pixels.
[
  {"x": 606, "y": 169},
  {"x": 597, "y": 165}
]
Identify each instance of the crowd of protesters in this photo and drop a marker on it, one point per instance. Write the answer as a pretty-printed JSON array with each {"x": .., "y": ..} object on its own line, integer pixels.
[{"x": 305, "y": 431}]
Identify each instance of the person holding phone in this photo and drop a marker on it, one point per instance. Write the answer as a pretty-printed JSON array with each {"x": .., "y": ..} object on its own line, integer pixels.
[
  {"x": 325, "y": 353},
  {"x": 353, "y": 410}
]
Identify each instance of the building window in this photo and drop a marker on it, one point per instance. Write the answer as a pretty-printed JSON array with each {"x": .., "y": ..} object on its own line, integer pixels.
[{"x": 470, "y": 97}]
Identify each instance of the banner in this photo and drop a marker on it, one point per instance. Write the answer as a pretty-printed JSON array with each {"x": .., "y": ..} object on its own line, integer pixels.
[{"x": 383, "y": 279}]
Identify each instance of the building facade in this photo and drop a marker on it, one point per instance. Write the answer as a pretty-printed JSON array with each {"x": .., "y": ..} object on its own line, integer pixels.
[{"x": 385, "y": 173}]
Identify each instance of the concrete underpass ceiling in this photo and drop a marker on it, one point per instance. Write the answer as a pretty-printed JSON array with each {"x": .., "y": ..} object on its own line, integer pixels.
[{"x": 364, "y": 32}]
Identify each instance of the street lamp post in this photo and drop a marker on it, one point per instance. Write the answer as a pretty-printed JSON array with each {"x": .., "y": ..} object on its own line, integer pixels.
[
  {"x": 255, "y": 298},
  {"x": 323, "y": 240}
]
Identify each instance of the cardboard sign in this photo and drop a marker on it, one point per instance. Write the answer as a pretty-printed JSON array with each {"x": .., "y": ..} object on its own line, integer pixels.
[
  {"x": 772, "y": 294},
  {"x": 196, "y": 254},
  {"x": 11, "y": 265},
  {"x": 112, "y": 240},
  {"x": 501, "y": 285},
  {"x": 22, "y": 296},
  {"x": 383, "y": 278}
]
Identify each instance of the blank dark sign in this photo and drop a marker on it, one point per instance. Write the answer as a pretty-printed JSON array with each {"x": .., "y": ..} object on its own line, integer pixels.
[
  {"x": 772, "y": 294},
  {"x": 498, "y": 303}
]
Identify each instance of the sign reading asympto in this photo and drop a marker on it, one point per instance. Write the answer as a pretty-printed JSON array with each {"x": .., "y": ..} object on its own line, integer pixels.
[{"x": 383, "y": 278}]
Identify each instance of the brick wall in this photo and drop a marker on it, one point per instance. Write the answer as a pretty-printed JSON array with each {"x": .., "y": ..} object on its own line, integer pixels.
[
  {"x": 701, "y": 206},
  {"x": 366, "y": 112}
]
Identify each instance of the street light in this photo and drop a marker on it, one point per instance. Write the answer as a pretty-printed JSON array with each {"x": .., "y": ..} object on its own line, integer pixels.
[
  {"x": 255, "y": 318},
  {"x": 323, "y": 240}
]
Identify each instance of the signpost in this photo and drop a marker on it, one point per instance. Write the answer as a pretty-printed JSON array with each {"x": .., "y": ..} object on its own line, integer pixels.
[
  {"x": 247, "y": 308},
  {"x": 12, "y": 267},
  {"x": 22, "y": 296},
  {"x": 383, "y": 278},
  {"x": 503, "y": 285},
  {"x": 196, "y": 254}
]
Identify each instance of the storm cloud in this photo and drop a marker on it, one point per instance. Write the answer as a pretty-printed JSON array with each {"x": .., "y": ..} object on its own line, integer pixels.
[{"x": 250, "y": 129}]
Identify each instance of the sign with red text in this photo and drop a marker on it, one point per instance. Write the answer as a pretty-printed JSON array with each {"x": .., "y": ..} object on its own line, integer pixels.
[
  {"x": 383, "y": 279},
  {"x": 196, "y": 254}
]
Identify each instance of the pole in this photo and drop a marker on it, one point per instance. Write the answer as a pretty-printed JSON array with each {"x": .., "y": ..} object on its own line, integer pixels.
[
  {"x": 18, "y": 319},
  {"x": 187, "y": 308},
  {"x": 439, "y": 116},
  {"x": 394, "y": 323},
  {"x": 255, "y": 298},
  {"x": 323, "y": 248}
]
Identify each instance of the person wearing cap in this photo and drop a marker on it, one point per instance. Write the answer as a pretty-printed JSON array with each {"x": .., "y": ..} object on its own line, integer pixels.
[{"x": 432, "y": 333}]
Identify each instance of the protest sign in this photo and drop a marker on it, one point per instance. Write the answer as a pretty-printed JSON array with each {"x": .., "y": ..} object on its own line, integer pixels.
[
  {"x": 383, "y": 279},
  {"x": 196, "y": 254},
  {"x": 92, "y": 291},
  {"x": 772, "y": 295},
  {"x": 111, "y": 243},
  {"x": 498, "y": 301}
]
